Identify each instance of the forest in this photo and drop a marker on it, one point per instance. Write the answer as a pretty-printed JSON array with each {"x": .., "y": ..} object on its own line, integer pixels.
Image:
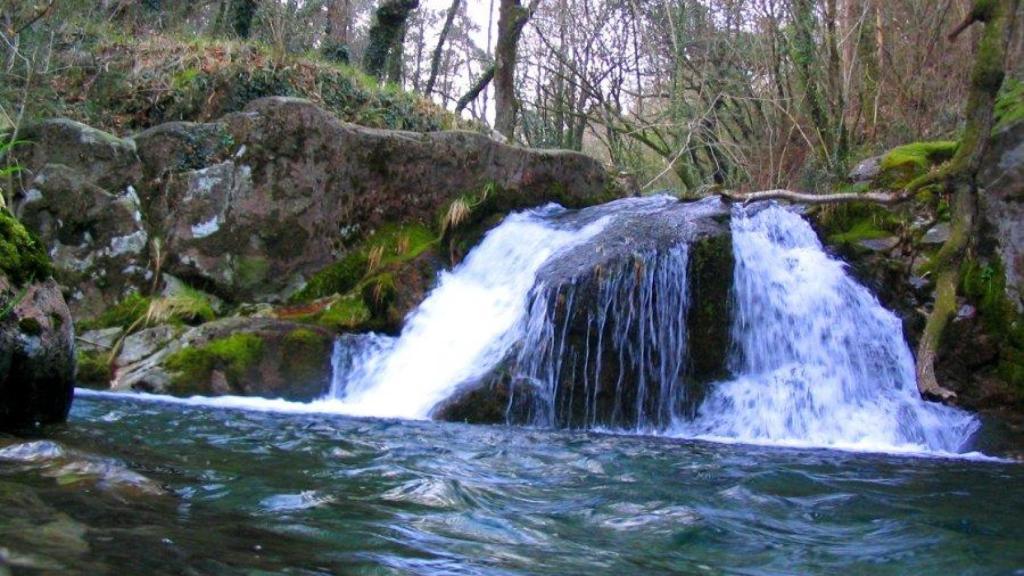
[{"x": 692, "y": 95}]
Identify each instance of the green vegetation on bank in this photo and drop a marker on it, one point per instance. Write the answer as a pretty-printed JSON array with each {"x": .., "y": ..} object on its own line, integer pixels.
[{"x": 132, "y": 83}]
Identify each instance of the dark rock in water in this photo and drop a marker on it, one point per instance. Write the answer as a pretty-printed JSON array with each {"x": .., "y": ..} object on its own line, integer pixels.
[
  {"x": 610, "y": 323},
  {"x": 37, "y": 355},
  {"x": 244, "y": 356}
]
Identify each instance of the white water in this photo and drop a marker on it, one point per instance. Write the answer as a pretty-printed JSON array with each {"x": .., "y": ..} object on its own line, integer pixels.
[
  {"x": 820, "y": 362},
  {"x": 465, "y": 326}
]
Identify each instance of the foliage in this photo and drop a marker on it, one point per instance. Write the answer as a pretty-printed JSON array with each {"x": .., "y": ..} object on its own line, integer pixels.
[
  {"x": 22, "y": 256},
  {"x": 93, "y": 369}
]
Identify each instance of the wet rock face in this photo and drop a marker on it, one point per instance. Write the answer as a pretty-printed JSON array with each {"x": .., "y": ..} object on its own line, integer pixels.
[
  {"x": 625, "y": 330},
  {"x": 37, "y": 355},
  {"x": 1002, "y": 180},
  {"x": 251, "y": 206}
]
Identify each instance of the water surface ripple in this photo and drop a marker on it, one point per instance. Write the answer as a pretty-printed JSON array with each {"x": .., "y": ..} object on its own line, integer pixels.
[{"x": 242, "y": 492}]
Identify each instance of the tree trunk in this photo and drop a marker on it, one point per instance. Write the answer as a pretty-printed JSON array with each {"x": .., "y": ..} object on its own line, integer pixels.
[
  {"x": 435, "y": 62},
  {"x": 986, "y": 79},
  {"x": 385, "y": 34},
  {"x": 512, "y": 18},
  {"x": 339, "y": 21},
  {"x": 242, "y": 13}
]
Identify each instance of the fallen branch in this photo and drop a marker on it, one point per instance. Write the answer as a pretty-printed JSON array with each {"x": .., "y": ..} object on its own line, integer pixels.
[{"x": 874, "y": 196}]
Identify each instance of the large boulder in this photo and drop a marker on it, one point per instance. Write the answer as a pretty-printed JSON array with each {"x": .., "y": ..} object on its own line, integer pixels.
[
  {"x": 626, "y": 329},
  {"x": 37, "y": 343},
  {"x": 251, "y": 206},
  {"x": 300, "y": 188},
  {"x": 80, "y": 200}
]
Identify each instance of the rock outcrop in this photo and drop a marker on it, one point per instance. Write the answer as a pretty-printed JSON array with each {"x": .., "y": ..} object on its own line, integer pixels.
[
  {"x": 1002, "y": 180},
  {"x": 250, "y": 207}
]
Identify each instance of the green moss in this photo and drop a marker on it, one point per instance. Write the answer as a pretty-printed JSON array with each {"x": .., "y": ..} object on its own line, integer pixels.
[
  {"x": 345, "y": 314},
  {"x": 905, "y": 163},
  {"x": 30, "y": 326},
  {"x": 1010, "y": 104},
  {"x": 303, "y": 355},
  {"x": 94, "y": 369},
  {"x": 123, "y": 314},
  {"x": 22, "y": 256},
  {"x": 378, "y": 294},
  {"x": 251, "y": 271},
  {"x": 337, "y": 278},
  {"x": 233, "y": 355},
  {"x": 984, "y": 284},
  {"x": 848, "y": 224},
  {"x": 863, "y": 230},
  {"x": 389, "y": 247}
]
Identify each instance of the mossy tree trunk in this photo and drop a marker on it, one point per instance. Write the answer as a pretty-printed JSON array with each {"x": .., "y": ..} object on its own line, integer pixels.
[
  {"x": 512, "y": 18},
  {"x": 386, "y": 35},
  {"x": 960, "y": 178},
  {"x": 242, "y": 14}
]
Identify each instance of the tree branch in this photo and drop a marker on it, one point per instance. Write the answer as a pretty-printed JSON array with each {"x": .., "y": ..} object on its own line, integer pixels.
[{"x": 873, "y": 196}]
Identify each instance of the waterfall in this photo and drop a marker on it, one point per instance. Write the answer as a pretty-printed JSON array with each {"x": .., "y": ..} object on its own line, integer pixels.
[
  {"x": 465, "y": 327},
  {"x": 818, "y": 361},
  {"x": 632, "y": 331},
  {"x": 580, "y": 318}
]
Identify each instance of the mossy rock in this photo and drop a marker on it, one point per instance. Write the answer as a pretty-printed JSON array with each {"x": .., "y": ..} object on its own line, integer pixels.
[
  {"x": 905, "y": 163},
  {"x": 234, "y": 355},
  {"x": 22, "y": 257},
  {"x": 337, "y": 278},
  {"x": 708, "y": 321}
]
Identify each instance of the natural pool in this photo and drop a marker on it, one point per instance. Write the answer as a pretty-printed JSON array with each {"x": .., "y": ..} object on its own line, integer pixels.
[{"x": 130, "y": 486}]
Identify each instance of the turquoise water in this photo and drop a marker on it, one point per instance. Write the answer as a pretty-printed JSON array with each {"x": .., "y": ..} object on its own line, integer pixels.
[{"x": 142, "y": 487}]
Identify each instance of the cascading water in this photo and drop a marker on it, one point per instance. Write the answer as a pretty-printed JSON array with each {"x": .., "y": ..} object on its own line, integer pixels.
[
  {"x": 583, "y": 317},
  {"x": 818, "y": 360},
  {"x": 625, "y": 346},
  {"x": 465, "y": 327}
]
